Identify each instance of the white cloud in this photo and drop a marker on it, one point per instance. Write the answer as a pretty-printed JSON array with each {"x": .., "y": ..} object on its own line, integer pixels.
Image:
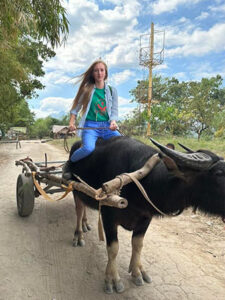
[
  {"x": 124, "y": 101},
  {"x": 124, "y": 112},
  {"x": 163, "y": 66},
  {"x": 52, "y": 106},
  {"x": 121, "y": 77},
  {"x": 220, "y": 8},
  {"x": 125, "y": 107},
  {"x": 205, "y": 69},
  {"x": 63, "y": 79},
  {"x": 204, "y": 15},
  {"x": 161, "y": 6},
  {"x": 53, "y": 78},
  {"x": 116, "y": 2},
  {"x": 198, "y": 43},
  {"x": 183, "y": 20}
]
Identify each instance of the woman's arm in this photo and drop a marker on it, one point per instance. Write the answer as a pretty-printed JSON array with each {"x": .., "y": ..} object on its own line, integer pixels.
[
  {"x": 114, "y": 110},
  {"x": 72, "y": 125},
  {"x": 73, "y": 114}
]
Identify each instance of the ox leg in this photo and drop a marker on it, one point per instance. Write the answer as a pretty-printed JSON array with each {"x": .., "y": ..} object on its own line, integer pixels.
[
  {"x": 78, "y": 239},
  {"x": 112, "y": 278},
  {"x": 136, "y": 269},
  {"x": 85, "y": 226}
]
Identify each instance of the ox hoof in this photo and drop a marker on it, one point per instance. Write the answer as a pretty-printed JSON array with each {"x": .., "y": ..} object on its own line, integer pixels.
[
  {"x": 78, "y": 242},
  {"x": 119, "y": 286},
  {"x": 146, "y": 277},
  {"x": 86, "y": 227},
  {"x": 108, "y": 287},
  {"x": 138, "y": 280},
  {"x": 81, "y": 243},
  {"x": 75, "y": 242}
]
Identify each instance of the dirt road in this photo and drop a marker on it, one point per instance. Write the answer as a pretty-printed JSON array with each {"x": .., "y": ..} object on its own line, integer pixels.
[{"x": 185, "y": 256}]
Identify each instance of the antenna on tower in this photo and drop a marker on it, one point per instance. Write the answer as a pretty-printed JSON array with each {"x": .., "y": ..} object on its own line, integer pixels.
[{"x": 150, "y": 59}]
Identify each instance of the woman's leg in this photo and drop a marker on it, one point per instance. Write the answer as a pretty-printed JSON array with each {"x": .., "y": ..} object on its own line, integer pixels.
[{"x": 89, "y": 138}]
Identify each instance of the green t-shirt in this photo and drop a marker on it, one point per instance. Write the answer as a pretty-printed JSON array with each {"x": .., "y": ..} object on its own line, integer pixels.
[{"x": 97, "y": 111}]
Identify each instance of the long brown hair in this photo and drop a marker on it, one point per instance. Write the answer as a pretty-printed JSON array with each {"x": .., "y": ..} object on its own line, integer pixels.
[{"x": 87, "y": 83}]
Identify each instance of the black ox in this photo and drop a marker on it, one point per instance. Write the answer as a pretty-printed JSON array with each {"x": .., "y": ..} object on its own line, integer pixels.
[{"x": 180, "y": 180}]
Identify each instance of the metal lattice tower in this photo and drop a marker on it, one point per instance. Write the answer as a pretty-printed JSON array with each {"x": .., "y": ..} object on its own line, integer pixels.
[{"x": 144, "y": 55}]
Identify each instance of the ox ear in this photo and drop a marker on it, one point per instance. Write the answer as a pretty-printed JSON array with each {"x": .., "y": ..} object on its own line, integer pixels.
[
  {"x": 172, "y": 167},
  {"x": 170, "y": 163}
]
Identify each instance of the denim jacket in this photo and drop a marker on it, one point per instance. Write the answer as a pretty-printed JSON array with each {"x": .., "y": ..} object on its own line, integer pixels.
[{"x": 111, "y": 105}]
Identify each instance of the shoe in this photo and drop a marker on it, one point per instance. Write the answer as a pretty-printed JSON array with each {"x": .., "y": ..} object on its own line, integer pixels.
[{"x": 66, "y": 174}]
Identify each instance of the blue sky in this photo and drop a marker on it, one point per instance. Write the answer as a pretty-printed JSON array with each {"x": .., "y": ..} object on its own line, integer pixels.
[{"x": 111, "y": 29}]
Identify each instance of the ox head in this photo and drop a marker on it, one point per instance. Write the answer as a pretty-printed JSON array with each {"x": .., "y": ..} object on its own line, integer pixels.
[
  {"x": 205, "y": 171},
  {"x": 196, "y": 160}
]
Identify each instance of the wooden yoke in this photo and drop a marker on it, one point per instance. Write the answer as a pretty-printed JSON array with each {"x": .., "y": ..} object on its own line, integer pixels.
[
  {"x": 114, "y": 184},
  {"x": 108, "y": 193}
]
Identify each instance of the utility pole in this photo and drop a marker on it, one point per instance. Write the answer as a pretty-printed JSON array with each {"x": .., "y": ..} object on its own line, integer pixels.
[
  {"x": 148, "y": 58},
  {"x": 151, "y": 46}
]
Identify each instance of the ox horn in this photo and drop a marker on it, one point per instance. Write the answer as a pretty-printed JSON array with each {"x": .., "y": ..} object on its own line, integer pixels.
[
  {"x": 186, "y": 148},
  {"x": 197, "y": 160}
]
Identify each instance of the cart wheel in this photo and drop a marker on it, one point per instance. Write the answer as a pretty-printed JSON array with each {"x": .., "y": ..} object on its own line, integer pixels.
[{"x": 25, "y": 195}]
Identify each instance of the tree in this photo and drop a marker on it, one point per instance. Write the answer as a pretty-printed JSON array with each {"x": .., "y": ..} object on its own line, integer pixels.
[
  {"x": 167, "y": 104},
  {"x": 42, "y": 127},
  {"x": 219, "y": 124},
  {"x": 203, "y": 103},
  {"x": 64, "y": 120},
  {"x": 181, "y": 107},
  {"x": 26, "y": 28},
  {"x": 20, "y": 115},
  {"x": 40, "y": 19}
]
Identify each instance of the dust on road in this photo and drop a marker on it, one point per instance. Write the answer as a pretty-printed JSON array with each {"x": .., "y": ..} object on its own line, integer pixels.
[{"x": 185, "y": 256}]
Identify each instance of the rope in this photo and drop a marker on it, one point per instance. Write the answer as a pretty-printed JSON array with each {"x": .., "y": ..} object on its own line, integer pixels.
[
  {"x": 65, "y": 144},
  {"x": 100, "y": 225},
  {"x": 142, "y": 190},
  {"x": 68, "y": 189}
]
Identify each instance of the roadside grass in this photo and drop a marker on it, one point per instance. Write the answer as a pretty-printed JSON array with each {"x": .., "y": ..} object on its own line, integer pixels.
[{"x": 216, "y": 145}]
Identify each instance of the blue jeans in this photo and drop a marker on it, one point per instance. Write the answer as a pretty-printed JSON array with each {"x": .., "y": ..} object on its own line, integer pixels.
[{"x": 90, "y": 136}]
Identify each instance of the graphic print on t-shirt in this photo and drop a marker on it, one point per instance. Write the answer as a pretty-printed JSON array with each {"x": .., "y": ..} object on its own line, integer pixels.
[{"x": 101, "y": 106}]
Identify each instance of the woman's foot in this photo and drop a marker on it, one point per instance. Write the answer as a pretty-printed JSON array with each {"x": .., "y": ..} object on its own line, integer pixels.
[{"x": 66, "y": 173}]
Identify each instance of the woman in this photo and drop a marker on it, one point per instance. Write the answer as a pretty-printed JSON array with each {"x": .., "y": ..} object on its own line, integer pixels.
[{"x": 98, "y": 104}]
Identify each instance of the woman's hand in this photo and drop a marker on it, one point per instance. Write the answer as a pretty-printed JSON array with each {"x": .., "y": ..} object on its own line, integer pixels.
[
  {"x": 72, "y": 127},
  {"x": 113, "y": 126}
]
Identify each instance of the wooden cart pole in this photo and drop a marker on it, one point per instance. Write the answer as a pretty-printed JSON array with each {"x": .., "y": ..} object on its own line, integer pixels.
[{"x": 150, "y": 78}]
